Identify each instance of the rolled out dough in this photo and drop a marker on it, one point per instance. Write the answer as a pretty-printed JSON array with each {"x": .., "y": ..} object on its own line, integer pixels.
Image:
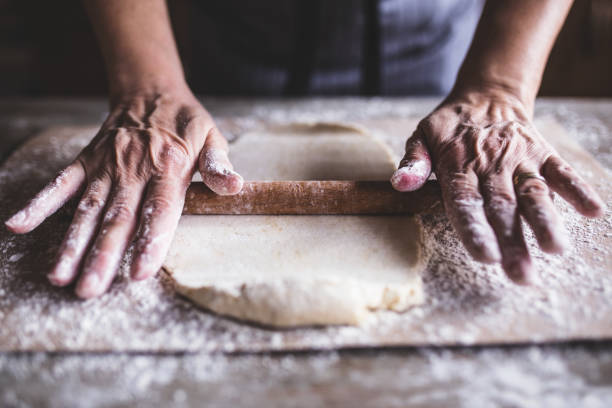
[{"x": 301, "y": 270}]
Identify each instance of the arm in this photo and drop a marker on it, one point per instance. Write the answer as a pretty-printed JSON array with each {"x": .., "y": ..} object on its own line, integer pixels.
[
  {"x": 135, "y": 172},
  {"x": 137, "y": 45},
  {"x": 492, "y": 164},
  {"x": 511, "y": 46}
]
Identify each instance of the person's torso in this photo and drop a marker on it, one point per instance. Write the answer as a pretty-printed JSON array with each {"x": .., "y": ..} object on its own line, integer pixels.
[{"x": 275, "y": 47}]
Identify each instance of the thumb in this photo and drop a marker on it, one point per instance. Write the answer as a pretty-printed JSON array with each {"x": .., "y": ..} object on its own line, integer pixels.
[
  {"x": 415, "y": 168},
  {"x": 214, "y": 165}
]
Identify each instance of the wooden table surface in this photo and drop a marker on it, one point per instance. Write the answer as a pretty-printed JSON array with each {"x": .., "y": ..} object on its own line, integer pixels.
[{"x": 577, "y": 374}]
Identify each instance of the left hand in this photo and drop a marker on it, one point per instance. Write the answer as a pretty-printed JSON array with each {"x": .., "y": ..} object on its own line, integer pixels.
[{"x": 493, "y": 167}]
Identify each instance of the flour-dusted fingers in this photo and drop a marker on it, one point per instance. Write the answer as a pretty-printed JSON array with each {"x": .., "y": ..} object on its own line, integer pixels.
[
  {"x": 415, "y": 167},
  {"x": 563, "y": 179},
  {"x": 503, "y": 214},
  {"x": 536, "y": 205},
  {"x": 159, "y": 216},
  {"x": 464, "y": 206},
  {"x": 55, "y": 194},
  {"x": 115, "y": 232},
  {"x": 80, "y": 233},
  {"x": 214, "y": 165}
]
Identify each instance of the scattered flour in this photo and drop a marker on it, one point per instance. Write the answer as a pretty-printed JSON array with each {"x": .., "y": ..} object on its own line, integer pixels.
[
  {"x": 147, "y": 316},
  {"x": 467, "y": 302},
  {"x": 567, "y": 376}
]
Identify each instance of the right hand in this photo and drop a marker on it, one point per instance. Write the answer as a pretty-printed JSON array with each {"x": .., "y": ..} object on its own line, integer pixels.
[{"x": 134, "y": 175}]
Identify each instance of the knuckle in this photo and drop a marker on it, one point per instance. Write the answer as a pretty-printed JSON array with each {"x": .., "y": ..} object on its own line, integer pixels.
[
  {"x": 157, "y": 205},
  {"x": 174, "y": 155},
  {"x": 498, "y": 195},
  {"x": 119, "y": 212},
  {"x": 511, "y": 128},
  {"x": 90, "y": 203},
  {"x": 188, "y": 121},
  {"x": 427, "y": 125},
  {"x": 465, "y": 201},
  {"x": 466, "y": 196},
  {"x": 502, "y": 201},
  {"x": 462, "y": 192},
  {"x": 173, "y": 159},
  {"x": 565, "y": 169},
  {"x": 413, "y": 144},
  {"x": 533, "y": 187},
  {"x": 559, "y": 169}
]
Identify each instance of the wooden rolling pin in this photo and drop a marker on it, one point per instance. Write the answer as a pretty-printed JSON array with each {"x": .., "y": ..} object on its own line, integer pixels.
[{"x": 312, "y": 197}]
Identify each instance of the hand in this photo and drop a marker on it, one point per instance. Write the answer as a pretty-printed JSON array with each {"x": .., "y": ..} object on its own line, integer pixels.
[
  {"x": 134, "y": 175},
  {"x": 493, "y": 167}
]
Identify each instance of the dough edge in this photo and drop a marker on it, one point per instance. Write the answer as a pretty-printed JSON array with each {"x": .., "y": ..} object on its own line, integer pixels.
[
  {"x": 304, "y": 302},
  {"x": 299, "y": 301}
]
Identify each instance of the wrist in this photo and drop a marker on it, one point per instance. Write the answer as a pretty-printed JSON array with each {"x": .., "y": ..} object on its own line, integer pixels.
[
  {"x": 511, "y": 83},
  {"x": 124, "y": 86},
  {"x": 467, "y": 100},
  {"x": 502, "y": 91},
  {"x": 144, "y": 86}
]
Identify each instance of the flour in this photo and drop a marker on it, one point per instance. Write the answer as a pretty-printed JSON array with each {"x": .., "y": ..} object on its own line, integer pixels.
[
  {"x": 568, "y": 376},
  {"x": 467, "y": 301},
  {"x": 417, "y": 168},
  {"x": 215, "y": 167}
]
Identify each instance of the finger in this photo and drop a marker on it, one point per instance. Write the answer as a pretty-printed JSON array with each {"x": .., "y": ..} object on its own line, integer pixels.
[
  {"x": 563, "y": 179},
  {"x": 464, "y": 206},
  {"x": 80, "y": 233},
  {"x": 216, "y": 170},
  {"x": 48, "y": 200},
  {"x": 503, "y": 215},
  {"x": 536, "y": 205},
  {"x": 115, "y": 232},
  {"x": 415, "y": 167},
  {"x": 159, "y": 217}
]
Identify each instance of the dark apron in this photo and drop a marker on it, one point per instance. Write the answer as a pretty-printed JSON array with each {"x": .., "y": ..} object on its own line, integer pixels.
[{"x": 319, "y": 47}]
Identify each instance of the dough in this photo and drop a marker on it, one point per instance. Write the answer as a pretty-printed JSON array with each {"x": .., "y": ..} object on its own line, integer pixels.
[
  {"x": 317, "y": 152},
  {"x": 301, "y": 270}
]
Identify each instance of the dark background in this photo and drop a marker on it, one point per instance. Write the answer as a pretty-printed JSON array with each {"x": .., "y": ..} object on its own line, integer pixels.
[{"x": 48, "y": 49}]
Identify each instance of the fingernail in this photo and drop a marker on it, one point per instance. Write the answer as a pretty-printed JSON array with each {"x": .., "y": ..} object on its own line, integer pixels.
[
  {"x": 564, "y": 241},
  {"x": 89, "y": 287},
  {"x": 410, "y": 177},
  {"x": 234, "y": 183},
  {"x": 141, "y": 268},
  {"x": 16, "y": 220},
  {"x": 561, "y": 243},
  {"x": 596, "y": 208},
  {"x": 56, "y": 280},
  {"x": 61, "y": 274},
  {"x": 215, "y": 161},
  {"x": 521, "y": 272},
  {"x": 491, "y": 253},
  {"x": 218, "y": 175},
  {"x": 226, "y": 184}
]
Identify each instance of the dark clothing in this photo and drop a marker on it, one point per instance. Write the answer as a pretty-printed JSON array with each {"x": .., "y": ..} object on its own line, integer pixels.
[{"x": 306, "y": 47}]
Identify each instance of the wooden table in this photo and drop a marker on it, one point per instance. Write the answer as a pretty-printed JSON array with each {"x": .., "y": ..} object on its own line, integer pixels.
[{"x": 552, "y": 375}]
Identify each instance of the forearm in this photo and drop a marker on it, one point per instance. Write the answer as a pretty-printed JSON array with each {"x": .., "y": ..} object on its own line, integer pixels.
[
  {"x": 511, "y": 46},
  {"x": 137, "y": 44}
]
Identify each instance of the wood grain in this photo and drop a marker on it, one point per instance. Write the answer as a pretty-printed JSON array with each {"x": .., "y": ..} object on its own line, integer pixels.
[{"x": 328, "y": 197}]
